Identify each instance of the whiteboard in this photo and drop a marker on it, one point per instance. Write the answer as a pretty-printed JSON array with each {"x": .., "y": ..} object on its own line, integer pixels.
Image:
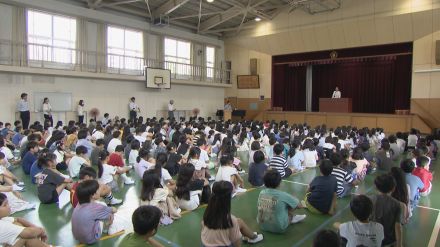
[
  {"x": 60, "y": 102},
  {"x": 158, "y": 78}
]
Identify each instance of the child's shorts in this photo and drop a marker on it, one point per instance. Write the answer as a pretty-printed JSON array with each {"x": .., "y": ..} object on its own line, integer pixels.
[{"x": 113, "y": 185}]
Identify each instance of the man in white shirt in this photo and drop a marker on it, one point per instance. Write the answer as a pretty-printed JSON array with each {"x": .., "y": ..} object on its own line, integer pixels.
[
  {"x": 114, "y": 142},
  {"x": 228, "y": 106},
  {"x": 336, "y": 94},
  {"x": 171, "y": 109},
  {"x": 133, "y": 109},
  {"x": 105, "y": 120},
  {"x": 23, "y": 108}
]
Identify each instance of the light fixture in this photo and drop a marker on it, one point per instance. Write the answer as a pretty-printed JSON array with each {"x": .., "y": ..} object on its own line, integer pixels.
[
  {"x": 210, "y": 1},
  {"x": 257, "y": 18}
]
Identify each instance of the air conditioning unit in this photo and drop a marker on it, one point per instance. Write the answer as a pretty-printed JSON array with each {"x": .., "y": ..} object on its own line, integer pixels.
[{"x": 161, "y": 21}]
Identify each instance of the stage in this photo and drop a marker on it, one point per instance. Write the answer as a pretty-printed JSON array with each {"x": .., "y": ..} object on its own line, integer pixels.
[{"x": 391, "y": 123}]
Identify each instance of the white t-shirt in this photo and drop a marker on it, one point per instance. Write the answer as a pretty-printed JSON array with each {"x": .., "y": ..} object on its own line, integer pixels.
[
  {"x": 60, "y": 156},
  {"x": 140, "y": 138},
  {"x": 47, "y": 108},
  {"x": 80, "y": 110},
  {"x": 224, "y": 173},
  {"x": 362, "y": 234},
  {"x": 75, "y": 165},
  {"x": 204, "y": 157},
  {"x": 113, "y": 144},
  {"x": 132, "y": 158},
  {"x": 98, "y": 135},
  {"x": 170, "y": 107},
  {"x": 107, "y": 173},
  {"x": 412, "y": 140},
  {"x": 198, "y": 165},
  {"x": 9, "y": 232},
  {"x": 7, "y": 152},
  {"x": 165, "y": 177},
  {"x": 192, "y": 203},
  {"x": 310, "y": 158}
]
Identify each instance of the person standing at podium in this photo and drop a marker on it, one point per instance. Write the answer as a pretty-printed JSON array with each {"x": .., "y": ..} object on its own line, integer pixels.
[
  {"x": 228, "y": 106},
  {"x": 336, "y": 94}
]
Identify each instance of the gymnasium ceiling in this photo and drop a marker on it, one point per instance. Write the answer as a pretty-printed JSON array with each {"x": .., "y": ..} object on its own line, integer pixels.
[{"x": 220, "y": 17}]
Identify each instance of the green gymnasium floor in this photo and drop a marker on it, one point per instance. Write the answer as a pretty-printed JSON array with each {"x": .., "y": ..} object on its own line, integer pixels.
[{"x": 422, "y": 230}]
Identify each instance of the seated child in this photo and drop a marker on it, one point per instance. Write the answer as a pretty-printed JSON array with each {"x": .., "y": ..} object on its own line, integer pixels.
[
  {"x": 387, "y": 210},
  {"x": 116, "y": 159},
  {"x": 50, "y": 182},
  {"x": 77, "y": 161},
  {"x": 275, "y": 207},
  {"x": 191, "y": 191},
  {"x": 345, "y": 180},
  {"x": 99, "y": 146},
  {"x": 108, "y": 174},
  {"x": 295, "y": 157},
  {"x": 219, "y": 226},
  {"x": 326, "y": 238},
  {"x": 321, "y": 194},
  {"x": 153, "y": 194},
  {"x": 361, "y": 232},
  {"x": 310, "y": 154},
  {"x": 29, "y": 157},
  {"x": 227, "y": 172},
  {"x": 257, "y": 169},
  {"x": 88, "y": 173},
  {"x": 145, "y": 223},
  {"x": 18, "y": 231},
  {"x": 7, "y": 178},
  {"x": 279, "y": 163},
  {"x": 63, "y": 157},
  {"x": 90, "y": 218},
  {"x": 414, "y": 182},
  {"x": 422, "y": 171},
  {"x": 174, "y": 159},
  {"x": 201, "y": 167}
]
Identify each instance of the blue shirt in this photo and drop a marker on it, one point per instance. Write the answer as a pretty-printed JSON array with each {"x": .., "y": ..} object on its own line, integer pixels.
[
  {"x": 28, "y": 159},
  {"x": 35, "y": 170},
  {"x": 17, "y": 138},
  {"x": 86, "y": 143},
  {"x": 322, "y": 189},
  {"x": 256, "y": 173},
  {"x": 415, "y": 184}
]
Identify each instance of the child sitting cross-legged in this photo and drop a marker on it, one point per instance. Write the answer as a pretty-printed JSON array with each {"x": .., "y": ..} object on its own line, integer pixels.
[
  {"x": 275, "y": 207},
  {"x": 279, "y": 163},
  {"x": 422, "y": 171},
  {"x": 361, "y": 232},
  {"x": 219, "y": 226},
  {"x": 18, "y": 231},
  {"x": 257, "y": 169},
  {"x": 108, "y": 174},
  {"x": 90, "y": 218},
  {"x": 227, "y": 172},
  {"x": 89, "y": 173},
  {"x": 321, "y": 194},
  {"x": 145, "y": 223}
]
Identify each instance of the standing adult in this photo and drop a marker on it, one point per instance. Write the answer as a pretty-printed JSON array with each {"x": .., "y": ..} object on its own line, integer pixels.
[
  {"x": 80, "y": 111},
  {"x": 171, "y": 110},
  {"x": 47, "y": 111},
  {"x": 336, "y": 94},
  {"x": 23, "y": 108},
  {"x": 133, "y": 107}
]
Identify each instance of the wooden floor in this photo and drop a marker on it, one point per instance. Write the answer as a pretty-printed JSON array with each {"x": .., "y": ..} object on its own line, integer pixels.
[{"x": 421, "y": 231}]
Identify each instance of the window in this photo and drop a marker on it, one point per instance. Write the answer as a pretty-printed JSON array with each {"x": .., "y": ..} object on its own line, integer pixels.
[
  {"x": 178, "y": 56},
  {"x": 210, "y": 61},
  {"x": 125, "y": 49},
  {"x": 51, "y": 37}
]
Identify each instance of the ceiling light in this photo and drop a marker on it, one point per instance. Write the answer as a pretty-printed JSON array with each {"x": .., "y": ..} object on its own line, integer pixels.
[
  {"x": 210, "y": 1},
  {"x": 257, "y": 19}
]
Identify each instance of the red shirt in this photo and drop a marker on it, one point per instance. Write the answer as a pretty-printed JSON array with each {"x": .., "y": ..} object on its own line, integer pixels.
[
  {"x": 425, "y": 176},
  {"x": 73, "y": 197},
  {"x": 115, "y": 160}
]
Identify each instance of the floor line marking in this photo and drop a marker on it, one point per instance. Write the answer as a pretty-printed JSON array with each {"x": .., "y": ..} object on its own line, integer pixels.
[
  {"x": 294, "y": 182},
  {"x": 434, "y": 234},
  {"x": 435, "y": 209},
  {"x": 325, "y": 223},
  {"x": 166, "y": 240}
]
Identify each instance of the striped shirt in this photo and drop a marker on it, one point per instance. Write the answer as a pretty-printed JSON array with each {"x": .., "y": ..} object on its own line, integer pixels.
[
  {"x": 342, "y": 177},
  {"x": 279, "y": 163}
]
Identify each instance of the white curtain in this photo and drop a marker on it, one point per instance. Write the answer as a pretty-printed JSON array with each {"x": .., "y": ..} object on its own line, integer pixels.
[
  {"x": 81, "y": 44},
  {"x": 101, "y": 48},
  {"x": 19, "y": 36}
]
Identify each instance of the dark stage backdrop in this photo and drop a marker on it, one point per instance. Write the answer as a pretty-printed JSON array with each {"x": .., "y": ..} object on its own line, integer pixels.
[{"x": 378, "y": 79}]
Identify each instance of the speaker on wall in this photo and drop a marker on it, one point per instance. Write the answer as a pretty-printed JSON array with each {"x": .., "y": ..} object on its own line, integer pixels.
[
  {"x": 253, "y": 64},
  {"x": 437, "y": 52}
]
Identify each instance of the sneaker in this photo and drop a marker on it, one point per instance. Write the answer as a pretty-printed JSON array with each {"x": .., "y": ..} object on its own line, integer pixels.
[
  {"x": 259, "y": 238},
  {"x": 20, "y": 184},
  {"x": 17, "y": 188},
  {"x": 303, "y": 204},
  {"x": 240, "y": 190},
  {"x": 298, "y": 218},
  {"x": 212, "y": 178},
  {"x": 115, "y": 201},
  {"x": 128, "y": 181},
  {"x": 241, "y": 171}
]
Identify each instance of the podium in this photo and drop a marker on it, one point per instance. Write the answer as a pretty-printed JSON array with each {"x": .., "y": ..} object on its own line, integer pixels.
[
  {"x": 227, "y": 115},
  {"x": 335, "y": 105}
]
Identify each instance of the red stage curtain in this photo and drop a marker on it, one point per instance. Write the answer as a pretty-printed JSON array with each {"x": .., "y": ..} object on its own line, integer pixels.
[
  {"x": 289, "y": 87},
  {"x": 379, "y": 86}
]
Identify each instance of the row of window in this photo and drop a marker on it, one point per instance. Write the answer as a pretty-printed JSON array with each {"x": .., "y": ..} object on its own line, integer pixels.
[{"x": 53, "y": 38}]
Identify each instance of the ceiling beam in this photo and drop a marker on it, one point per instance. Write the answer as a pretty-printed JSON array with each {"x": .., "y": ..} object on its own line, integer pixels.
[
  {"x": 219, "y": 19},
  {"x": 118, "y": 3},
  {"x": 195, "y": 15},
  {"x": 168, "y": 7}
]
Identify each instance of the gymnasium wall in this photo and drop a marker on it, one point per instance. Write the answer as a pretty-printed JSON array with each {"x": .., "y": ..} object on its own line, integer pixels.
[
  {"x": 107, "y": 92},
  {"x": 357, "y": 23}
]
